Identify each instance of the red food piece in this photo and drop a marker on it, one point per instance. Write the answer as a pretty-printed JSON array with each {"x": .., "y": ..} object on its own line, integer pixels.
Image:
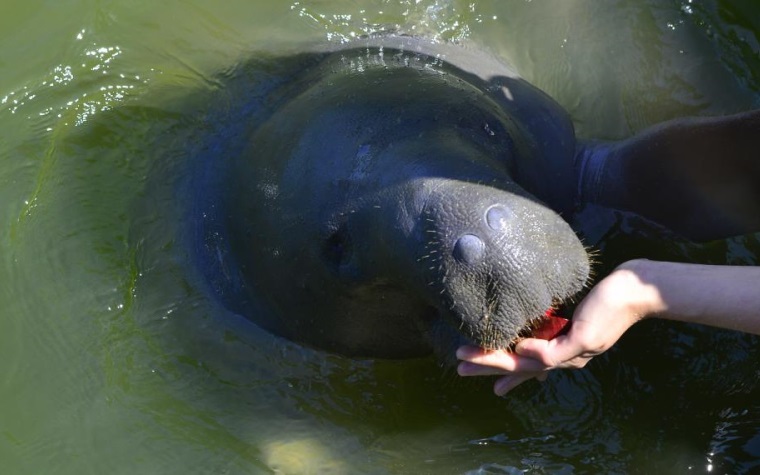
[{"x": 551, "y": 326}]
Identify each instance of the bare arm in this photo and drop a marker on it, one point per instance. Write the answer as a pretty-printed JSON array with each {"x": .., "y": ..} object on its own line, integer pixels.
[{"x": 721, "y": 296}]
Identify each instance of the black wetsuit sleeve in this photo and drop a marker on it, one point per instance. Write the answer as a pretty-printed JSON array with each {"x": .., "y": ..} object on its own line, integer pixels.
[{"x": 700, "y": 177}]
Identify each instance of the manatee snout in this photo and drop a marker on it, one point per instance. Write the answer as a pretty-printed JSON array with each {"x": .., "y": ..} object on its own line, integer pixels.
[{"x": 497, "y": 259}]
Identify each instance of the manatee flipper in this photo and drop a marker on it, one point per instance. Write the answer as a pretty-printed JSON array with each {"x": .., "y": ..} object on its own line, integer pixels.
[{"x": 699, "y": 177}]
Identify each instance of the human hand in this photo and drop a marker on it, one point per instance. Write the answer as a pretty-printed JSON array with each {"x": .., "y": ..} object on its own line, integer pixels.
[{"x": 612, "y": 306}]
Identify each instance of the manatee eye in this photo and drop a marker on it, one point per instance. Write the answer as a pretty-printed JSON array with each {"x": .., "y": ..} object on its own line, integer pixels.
[{"x": 337, "y": 248}]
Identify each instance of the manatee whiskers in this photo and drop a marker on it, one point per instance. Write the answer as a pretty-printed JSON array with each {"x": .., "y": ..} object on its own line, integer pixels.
[
  {"x": 490, "y": 335},
  {"x": 489, "y": 331},
  {"x": 593, "y": 254},
  {"x": 535, "y": 327}
]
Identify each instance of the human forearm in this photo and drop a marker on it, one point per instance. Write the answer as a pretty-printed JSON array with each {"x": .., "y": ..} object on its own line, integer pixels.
[{"x": 721, "y": 296}]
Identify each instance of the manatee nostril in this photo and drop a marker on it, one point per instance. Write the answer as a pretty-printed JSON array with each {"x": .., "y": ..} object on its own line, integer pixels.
[
  {"x": 468, "y": 249},
  {"x": 498, "y": 217}
]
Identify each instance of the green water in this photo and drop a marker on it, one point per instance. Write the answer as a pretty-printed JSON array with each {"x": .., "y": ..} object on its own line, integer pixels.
[{"x": 113, "y": 359}]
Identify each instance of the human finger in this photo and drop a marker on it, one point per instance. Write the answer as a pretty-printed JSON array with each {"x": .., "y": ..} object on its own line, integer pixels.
[
  {"x": 465, "y": 368},
  {"x": 562, "y": 352},
  {"x": 507, "y": 383},
  {"x": 500, "y": 359}
]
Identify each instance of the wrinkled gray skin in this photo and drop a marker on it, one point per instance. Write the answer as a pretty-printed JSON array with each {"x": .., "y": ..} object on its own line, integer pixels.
[
  {"x": 399, "y": 197},
  {"x": 395, "y": 201}
]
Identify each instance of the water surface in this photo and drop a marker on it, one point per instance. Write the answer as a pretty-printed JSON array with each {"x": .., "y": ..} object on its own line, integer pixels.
[{"x": 115, "y": 359}]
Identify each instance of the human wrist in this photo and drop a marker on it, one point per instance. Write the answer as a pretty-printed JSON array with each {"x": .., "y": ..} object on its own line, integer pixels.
[{"x": 636, "y": 284}]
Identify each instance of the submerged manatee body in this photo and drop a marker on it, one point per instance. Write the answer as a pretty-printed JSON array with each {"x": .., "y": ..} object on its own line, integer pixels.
[{"x": 398, "y": 196}]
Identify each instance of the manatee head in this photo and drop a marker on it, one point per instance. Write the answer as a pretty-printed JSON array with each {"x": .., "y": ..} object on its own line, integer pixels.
[{"x": 381, "y": 206}]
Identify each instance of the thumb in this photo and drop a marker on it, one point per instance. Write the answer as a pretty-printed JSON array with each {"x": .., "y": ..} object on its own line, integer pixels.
[{"x": 551, "y": 353}]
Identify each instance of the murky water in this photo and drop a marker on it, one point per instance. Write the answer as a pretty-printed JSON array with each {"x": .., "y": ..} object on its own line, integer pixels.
[{"x": 113, "y": 357}]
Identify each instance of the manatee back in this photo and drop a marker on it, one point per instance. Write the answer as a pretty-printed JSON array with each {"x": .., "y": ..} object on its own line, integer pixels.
[{"x": 543, "y": 133}]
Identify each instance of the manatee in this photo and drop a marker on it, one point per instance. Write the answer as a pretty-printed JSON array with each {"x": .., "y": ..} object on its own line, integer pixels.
[{"x": 398, "y": 196}]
